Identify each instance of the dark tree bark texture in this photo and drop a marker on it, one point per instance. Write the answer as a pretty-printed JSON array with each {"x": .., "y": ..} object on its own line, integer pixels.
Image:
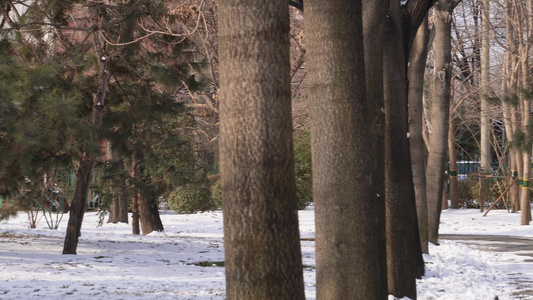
[
  {"x": 262, "y": 245},
  {"x": 417, "y": 65},
  {"x": 344, "y": 187},
  {"x": 374, "y": 18},
  {"x": 79, "y": 204},
  {"x": 399, "y": 193},
  {"x": 404, "y": 253}
]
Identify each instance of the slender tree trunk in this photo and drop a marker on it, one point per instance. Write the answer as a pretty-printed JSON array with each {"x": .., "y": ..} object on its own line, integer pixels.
[
  {"x": 374, "y": 16},
  {"x": 85, "y": 170},
  {"x": 404, "y": 253},
  {"x": 440, "y": 116},
  {"x": 454, "y": 184},
  {"x": 417, "y": 66},
  {"x": 135, "y": 225},
  {"x": 262, "y": 243},
  {"x": 525, "y": 205},
  {"x": 79, "y": 204},
  {"x": 512, "y": 119},
  {"x": 344, "y": 187},
  {"x": 485, "y": 81},
  {"x": 525, "y": 208}
]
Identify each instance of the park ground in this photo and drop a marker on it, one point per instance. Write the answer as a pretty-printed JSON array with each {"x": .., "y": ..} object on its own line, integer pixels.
[{"x": 478, "y": 258}]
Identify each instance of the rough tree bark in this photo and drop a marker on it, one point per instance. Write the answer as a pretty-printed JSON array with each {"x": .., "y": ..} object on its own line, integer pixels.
[
  {"x": 417, "y": 66},
  {"x": 262, "y": 244},
  {"x": 374, "y": 17},
  {"x": 440, "y": 115},
  {"x": 344, "y": 187},
  {"x": 404, "y": 254}
]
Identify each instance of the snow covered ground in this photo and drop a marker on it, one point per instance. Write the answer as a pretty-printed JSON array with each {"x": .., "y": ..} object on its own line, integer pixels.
[{"x": 186, "y": 261}]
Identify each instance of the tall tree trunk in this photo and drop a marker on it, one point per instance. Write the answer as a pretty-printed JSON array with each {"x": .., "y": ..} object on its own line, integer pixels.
[
  {"x": 374, "y": 16},
  {"x": 135, "y": 195},
  {"x": 344, "y": 186},
  {"x": 514, "y": 42},
  {"x": 417, "y": 66},
  {"x": 509, "y": 109},
  {"x": 485, "y": 81},
  {"x": 404, "y": 253},
  {"x": 440, "y": 115},
  {"x": 262, "y": 243},
  {"x": 454, "y": 184},
  {"x": 525, "y": 204},
  {"x": 85, "y": 171}
]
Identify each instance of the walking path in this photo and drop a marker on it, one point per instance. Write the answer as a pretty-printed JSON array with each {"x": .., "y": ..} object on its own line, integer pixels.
[{"x": 522, "y": 274}]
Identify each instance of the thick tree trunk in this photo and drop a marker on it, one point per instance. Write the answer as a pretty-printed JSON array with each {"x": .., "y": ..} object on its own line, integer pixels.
[
  {"x": 374, "y": 16},
  {"x": 149, "y": 214},
  {"x": 404, "y": 254},
  {"x": 344, "y": 186},
  {"x": 262, "y": 244},
  {"x": 440, "y": 116},
  {"x": 417, "y": 66}
]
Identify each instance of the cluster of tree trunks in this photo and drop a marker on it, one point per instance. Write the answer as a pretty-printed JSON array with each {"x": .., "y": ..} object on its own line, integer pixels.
[
  {"x": 367, "y": 237},
  {"x": 516, "y": 71}
]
